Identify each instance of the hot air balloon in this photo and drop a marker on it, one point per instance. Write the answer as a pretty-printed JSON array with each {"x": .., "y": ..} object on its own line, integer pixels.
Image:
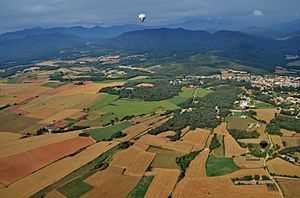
[{"x": 142, "y": 17}]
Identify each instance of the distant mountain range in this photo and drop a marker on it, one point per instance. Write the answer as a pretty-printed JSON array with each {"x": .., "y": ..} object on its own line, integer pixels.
[{"x": 257, "y": 47}]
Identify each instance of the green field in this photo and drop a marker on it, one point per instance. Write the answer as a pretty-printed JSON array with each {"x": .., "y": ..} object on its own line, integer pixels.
[
  {"x": 164, "y": 158},
  {"x": 263, "y": 106},
  {"x": 105, "y": 100},
  {"x": 125, "y": 107},
  {"x": 141, "y": 189},
  {"x": 182, "y": 96},
  {"x": 236, "y": 122},
  {"x": 53, "y": 84},
  {"x": 217, "y": 166},
  {"x": 75, "y": 189},
  {"x": 200, "y": 92},
  {"x": 105, "y": 133},
  {"x": 13, "y": 80}
]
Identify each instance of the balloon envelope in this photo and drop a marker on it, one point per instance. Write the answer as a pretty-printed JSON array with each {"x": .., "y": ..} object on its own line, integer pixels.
[{"x": 142, "y": 17}]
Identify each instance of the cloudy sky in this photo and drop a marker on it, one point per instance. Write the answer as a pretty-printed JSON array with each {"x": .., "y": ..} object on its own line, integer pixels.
[{"x": 18, "y": 14}]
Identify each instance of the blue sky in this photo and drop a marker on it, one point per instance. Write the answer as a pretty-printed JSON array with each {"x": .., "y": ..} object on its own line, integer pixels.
[{"x": 18, "y": 14}]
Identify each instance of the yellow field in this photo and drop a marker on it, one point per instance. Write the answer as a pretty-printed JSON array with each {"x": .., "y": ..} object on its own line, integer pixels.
[
  {"x": 232, "y": 148},
  {"x": 111, "y": 183},
  {"x": 244, "y": 163},
  {"x": 197, "y": 167},
  {"x": 60, "y": 116},
  {"x": 134, "y": 160},
  {"x": 282, "y": 167},
  {"x": 16, "y": 93},
  {"x": 197, "y": 137},
  {"x": 26, "y": 144},
  {"x": 185, "y": 130},
  {"x": 52, "y": 173},
  {"x": 145, "y": 85},
  {"x": 163, "y": 183},
  {"x": 291, "y": 141},
  {"x": 276, "y": 139},
  {"x": 138, "y": 77},
  {"x": 219, "y": 187},
  {"x": 221, "y": 129},
  {"x": 266, "y": 114},
  {"x": 287, "y": 133},
  {"x": 6, "y": 137},
  {"x": 290, "y": 188},
  {"x": 54, "y": 194}
]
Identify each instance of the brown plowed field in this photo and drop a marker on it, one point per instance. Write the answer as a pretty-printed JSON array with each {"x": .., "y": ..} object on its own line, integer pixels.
[
  {"x": 55, "y": 171},
  {"x": 163, "y": 183},
  {"x": 290, "y": 188},
  {"x": 15, "y": 167},
  {"x": 221, "y": 129},
  {"x": 291, "y": 141},
  {"x": 266, "y": 114},
  {"x": 287, "y": 133}
]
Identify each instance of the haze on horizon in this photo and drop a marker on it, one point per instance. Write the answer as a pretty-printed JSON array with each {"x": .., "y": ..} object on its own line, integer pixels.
[{"x": 15, "y": 14}]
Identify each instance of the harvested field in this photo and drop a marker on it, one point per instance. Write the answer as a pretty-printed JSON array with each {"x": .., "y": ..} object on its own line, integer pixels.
[
  {"x": 88, "y": 88},
  {"x": 290, "y": 188},
  {"x": 262, "y": 131},
  {"x": 185, "y": 130},
  {"x": 145, "y": 85},
  {"x": 220, "y": 151},
  {"x": 54, "y": 194},
  {"x": 55, "y": 171},
  {"x": 266, "y": 114},
  {"x": 45, "y": 106},
  {"x": 287, "y": 133},
  {"x": 16, "y": 93},
  {"x": 245, "y": 172},
  {"x": 164, "y": 158},
  {"x": 163, "y": 142},
  {"x": 291, "y": 141},
  {"x": 6, "y": 137},
  {"x": 26, "y": 144},
  {"x": 111, "y": 183},
  {"x": 134, "y": 160},
  {"x": 60, "y": 116},
  {"x": 221, "y": 129},
  {"x": 197, "y": 167},
  {"x": 232, "y": 148},
  {"x": 244, "y": 162},
  {"x": 281, "y": 167},
  {"x": 251, "y": 141},
  {"x": 219, "y": 187},
  {"x": 276, "y": 139},
  {"x": 15, "y": 167},
  {"x": 197, "y": 137},
  {"x": 10, "y": 122},
  {"x": 163, "y": 183},
  {"x": 139, "y": 77}
]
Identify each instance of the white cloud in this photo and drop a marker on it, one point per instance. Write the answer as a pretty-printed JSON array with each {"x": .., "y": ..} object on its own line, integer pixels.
[{"x": 258, "y": 13}]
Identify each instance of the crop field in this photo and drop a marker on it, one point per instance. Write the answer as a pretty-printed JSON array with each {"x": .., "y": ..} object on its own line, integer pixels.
[
  {"x": 52, "y": 84},
  {"x": 6, "y": 137},
  {"x": 197, "y": 137},
  {"x": 266, "y": 114},
  {"x": 163, "y": 183},
  {"x": 200, "y": 92},
  {"x": 134, "y": 160},
  {"x": 185, "y": 94},
  {"x": 197, "y": 167},
  {"x": 20, "y": 165},
  {"x": 236, "y": 122},
  {"x": 60, "y": 116},
  {"x": 55, "y": 171},
  {"x": 232, "y": 148},
  {"x": 16, "y": 93},
  {"x": 220, "y": 151},
  {"x": 164, "y": 158},
  {"x": 217, "y": 166},
  {"x": 141, "y": 189},
  {"x": 281, "y": 167},
  {"x": 54, "y": 194},
  {"x": 290, "y": 188},
  {"x": 99, "y": 134},
  {"x": 221, "y": 129},
  {"x": 291, "y": 141},
  {"x": 76, "y": 188},
  {"x": 111, "y": 183},
  {"x": 276, "y": 139},
  {"x": 287, "y": 133},
  {"x": 10, "y": 122},
  {"x": 243, "y": 162},
  {"x": 123, "y": 107},
  {"x": 263, "y": 105},
  {"x": 212, "y": 187}
]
